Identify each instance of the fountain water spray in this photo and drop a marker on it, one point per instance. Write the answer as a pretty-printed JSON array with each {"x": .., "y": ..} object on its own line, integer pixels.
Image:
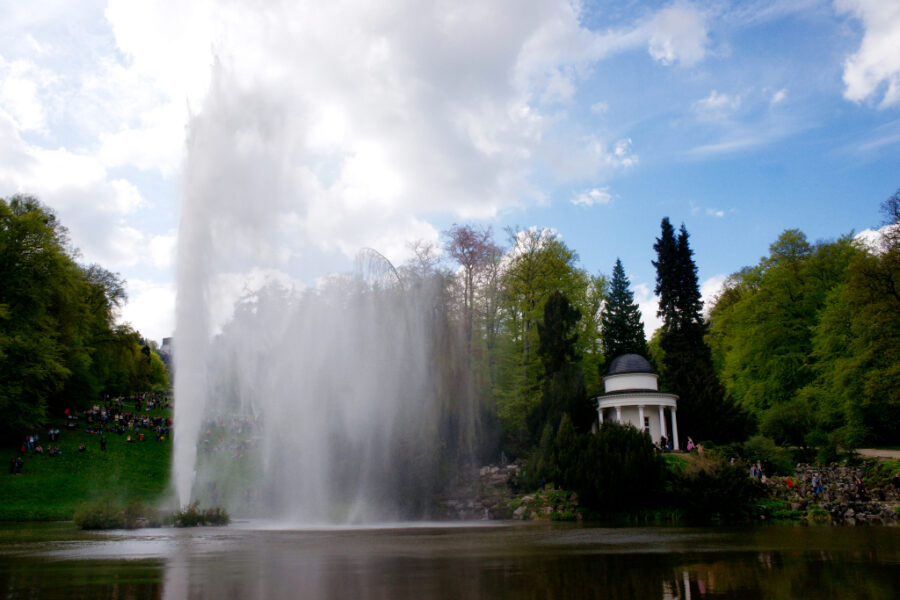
[{"x": 347, "y": 402}]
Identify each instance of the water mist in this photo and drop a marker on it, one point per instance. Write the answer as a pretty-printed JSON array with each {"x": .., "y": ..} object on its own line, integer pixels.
[{"x": 348, "y": 402}]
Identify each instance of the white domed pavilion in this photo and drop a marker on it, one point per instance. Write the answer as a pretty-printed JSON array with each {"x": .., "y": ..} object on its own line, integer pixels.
[{"x": 632, "y": 396}]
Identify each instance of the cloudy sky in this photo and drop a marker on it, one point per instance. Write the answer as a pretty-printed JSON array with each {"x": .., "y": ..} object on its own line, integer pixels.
[{"x": 323, "y": 127}]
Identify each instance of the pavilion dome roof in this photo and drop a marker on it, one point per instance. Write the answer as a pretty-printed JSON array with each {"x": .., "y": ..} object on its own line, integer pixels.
[{"x": 629, "y": 363}]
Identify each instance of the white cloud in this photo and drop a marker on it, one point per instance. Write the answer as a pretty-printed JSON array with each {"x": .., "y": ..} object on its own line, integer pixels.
[
  {"x": 593, "y": 197},
  {"x": 648, "y": 303},
  {"x": 874, "y": 69},
  {"x": 709, "y": 289},
  {"x": 93, "y": 206},
  {"x": 162, "y": 250},
  {"x": 599, "y": 108},
  {"x": 678, "y": 34},
  {"x": 150, "y": 308},
  {"x": 21, "y": 84},
  {"x": 778, "y": 97},
  {"x": 716, "y": 106},
  {"x": 439, "y": 112}
]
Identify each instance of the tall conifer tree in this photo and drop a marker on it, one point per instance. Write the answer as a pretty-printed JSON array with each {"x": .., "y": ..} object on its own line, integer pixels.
[
  {"x": 623, "y": 331},
  {"x": 687, "y": 370}
]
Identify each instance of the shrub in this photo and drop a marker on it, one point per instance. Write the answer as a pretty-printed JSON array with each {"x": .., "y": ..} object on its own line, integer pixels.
[
  {"x": 105, "y": 513},
  {"x": 614, "y": 470},
  {"x": 817, "y": 515},
  {"x": 762, "y": 448},
  {"x": 102, "y": 514},
  {"x": 193, "y": 516},
  {"x": 617, "y": 469},
  {"x": 709, "y": 488}
]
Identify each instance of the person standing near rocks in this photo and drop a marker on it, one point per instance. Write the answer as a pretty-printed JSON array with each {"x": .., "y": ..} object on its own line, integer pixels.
[{"x": 861, "y": 489}]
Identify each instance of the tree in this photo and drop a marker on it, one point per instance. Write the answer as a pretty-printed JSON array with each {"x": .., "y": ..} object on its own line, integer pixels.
[
  {"x": 623, "y": 331},
  {"x": 472, "y": 248},
  {"x": 536, "y": 265},
  {"x": 704, "y": 411},
  {"x": 563, "y": 392},
  {"x": 38, "y": 281},
  {"x": 855, "y": 341},
  {"x": 59, "y": 345}
]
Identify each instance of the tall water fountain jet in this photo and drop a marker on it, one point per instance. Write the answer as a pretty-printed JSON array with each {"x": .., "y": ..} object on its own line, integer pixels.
[{"x": 348, "y": 402}]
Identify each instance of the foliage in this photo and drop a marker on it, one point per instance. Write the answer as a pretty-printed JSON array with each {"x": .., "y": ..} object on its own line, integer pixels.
[
  {"x": 59, "y": 345},
  {"x": 106, "y": 513},
  {"x": 563, "y": 387},
  {"x": 623, "y": 331},
  {"x": 536, "y": 266},
  {"x": 709, "y": 488},
  {"x": 761, "y": 448},
  {"x": 194, "y": 516},
  {"x": 816, "y": 515},
  {"x": 615, "y": 470},
  {"x": 809, "y": 339},
  {"x": 704, "y": 410}
]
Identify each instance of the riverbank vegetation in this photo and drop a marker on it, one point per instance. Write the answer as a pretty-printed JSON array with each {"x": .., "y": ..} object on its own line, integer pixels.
[
  {"x": 794, "y": 360},
  {"x": 60, "y": 345}
]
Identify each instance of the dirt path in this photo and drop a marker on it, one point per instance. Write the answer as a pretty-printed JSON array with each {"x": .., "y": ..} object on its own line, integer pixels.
[{"x": 876, "y": 453}]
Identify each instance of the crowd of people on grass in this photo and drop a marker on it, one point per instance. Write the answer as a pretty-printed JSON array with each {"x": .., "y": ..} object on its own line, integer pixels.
[
  {"x": 121, "y": 416},
  {"x": 235, "y": 434}
]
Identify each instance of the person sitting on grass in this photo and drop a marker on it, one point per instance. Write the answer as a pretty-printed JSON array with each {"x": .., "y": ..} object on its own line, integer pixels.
[{"x": 82, "y": 447}]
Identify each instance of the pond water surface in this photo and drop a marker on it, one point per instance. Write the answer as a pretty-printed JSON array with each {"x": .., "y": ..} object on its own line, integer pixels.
[{"x": 260, "y": 560}]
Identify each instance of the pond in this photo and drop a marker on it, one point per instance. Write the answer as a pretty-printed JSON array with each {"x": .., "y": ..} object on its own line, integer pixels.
[{"x": 511, "y": 560}]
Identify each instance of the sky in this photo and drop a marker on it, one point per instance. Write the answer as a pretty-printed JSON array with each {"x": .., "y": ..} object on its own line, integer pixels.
[{"x": 347, "y": 124}]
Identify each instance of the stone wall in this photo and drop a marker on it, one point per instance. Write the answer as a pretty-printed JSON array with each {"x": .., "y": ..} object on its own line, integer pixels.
[
  {"x": 840, "y": 498},
  {"x": 486, "y": 495}
]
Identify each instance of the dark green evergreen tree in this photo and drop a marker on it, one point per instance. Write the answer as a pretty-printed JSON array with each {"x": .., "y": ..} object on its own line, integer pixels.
[
  {"x": 704, "y": 412},
  {"x": 563, "y": 390},
  {"x": 623, "y": 331}
]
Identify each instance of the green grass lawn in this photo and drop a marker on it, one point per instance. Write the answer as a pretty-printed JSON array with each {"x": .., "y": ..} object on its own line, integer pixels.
[{"x": 53, "y": 488}]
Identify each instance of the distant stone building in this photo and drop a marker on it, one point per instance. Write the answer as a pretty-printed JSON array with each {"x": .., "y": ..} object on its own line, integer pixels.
[
  {"x": 165, "y": 353},
  {"x": 632, "y": 396}
]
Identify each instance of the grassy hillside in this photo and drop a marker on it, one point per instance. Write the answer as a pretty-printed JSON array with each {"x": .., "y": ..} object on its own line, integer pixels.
[{"x": 53, "y": 487}]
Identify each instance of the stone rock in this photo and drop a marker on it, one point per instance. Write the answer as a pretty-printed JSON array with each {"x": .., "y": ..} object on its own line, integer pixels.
[{"x": 519, "y": 513}]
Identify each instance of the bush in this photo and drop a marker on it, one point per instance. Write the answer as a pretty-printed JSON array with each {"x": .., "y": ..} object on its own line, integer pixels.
[
  {"x": 193, "y": 516},
  {"x": 836, "y": 445},
  {"x": 107, "y": 514},
  {"x": 760, "y": 448},
  {"x": 817, "y": 515},
  {"x": 614, "y": 470},
  {"x": 617, "y": 469},
  {"x": 102, "y": 514},
  {"x": 709, "y": 488}
]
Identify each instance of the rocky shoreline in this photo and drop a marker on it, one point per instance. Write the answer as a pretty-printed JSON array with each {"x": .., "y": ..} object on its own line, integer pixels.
[
  {"x": 493, "y": 493},
  {"x": 840, "y": 500}
]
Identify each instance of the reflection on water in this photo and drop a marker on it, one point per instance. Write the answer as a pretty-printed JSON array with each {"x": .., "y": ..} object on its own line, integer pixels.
[{"x": 514, "y": 561}]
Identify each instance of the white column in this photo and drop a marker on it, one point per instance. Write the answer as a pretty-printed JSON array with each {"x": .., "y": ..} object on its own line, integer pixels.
[
  {"x": 675, "y": 428},
  {"x": 662, "y": 423},
  {"x": 600, "y": 412},
  {"x": 641, "y": 417},
  {"x": 618, "y": 414}
]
